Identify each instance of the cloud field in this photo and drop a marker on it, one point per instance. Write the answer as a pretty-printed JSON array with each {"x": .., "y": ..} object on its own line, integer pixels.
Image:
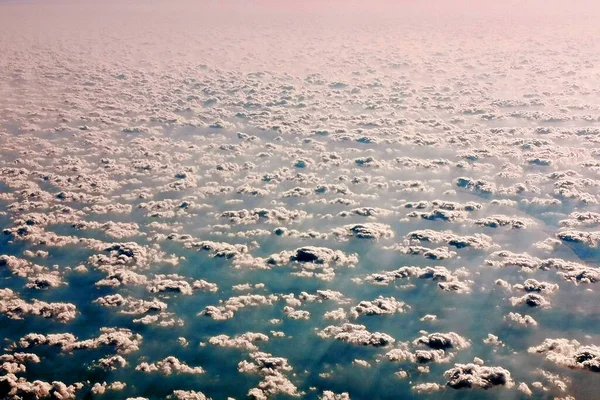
[{"x": 203, "y": 200}]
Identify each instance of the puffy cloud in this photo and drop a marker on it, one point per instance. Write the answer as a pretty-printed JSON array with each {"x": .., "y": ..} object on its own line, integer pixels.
[
  {"x": 439, "y": 214},
  {"x": 514, "y": 318},
  {"x": 15, "y": 363},
  {"x": 570, "y": 354},
  {"x": 532, "y": 285},
  {"x": 234, "y": 304},
  {"x": 379, "y": 306},
  {"x": 440, "y": 253},
  {"x": 203, "y": 285},
  {"x": 20, "y": 387},
  {"x": 447, "y": 281},
  {"x": 163, "y": 319},
  {"x": 169, "y": 366},
  {"x": 530, "y": 299},
  {"x": 575, "y": 189},
  {"x": 590, "y": 239},
  {"x": 297, "y": 192},
  {"x": 432, "y": 356},
  {"x": 337, "y": 314},
  {"x": 313, "y": 255},
  {"x": 313, "y": 261},
  {"x": 111, "y": 363},
  {"x": 445, "y": 205},
  {"x": 368, "y": 162},
  {"x": 294, "y": 233},
  {"x": 122, "y": 340},
  {"x": 130, "y": 305},
  {"x": 323, "y": 295},
  {"x": 492, "y": 340},
  {"x": 101, "y": 388},
  {"x": 112, "y": 208},
  {"x": 401, "y": 374},
  {"x": 167, "y": 208},
  {"x": 428, "y": 387},
  {"x": 571, "y": 271},
  {"x": 117, "y": 230},
  {"x": 419, "y": 163},
  {"x": 357, "y": 334},
  {"x": 271, "y": 216},
  {"x": 329, "y": 395},
  {"x": 495, "y": 221},
  {"x": 188, "y": 395},
  {"x": 130, "y": 254},
  {"x": 581, "y": 219},
  {"x": 44, "y": 281},
  {"x": 239, "y": 253},
  {"x": 420, "y": 356},
  {"x": 38, "y": 277},
  {"x": 292, "y": 313},
  {"x": 14, "y": 386},
  {"x": 468, "y": 376},
  {"x": 523, "y": 388},
  {"x": 443, "y": 341},
  {"x": 17, "y": 308},
  {"x": 366, "y": 212},
  {"x": 428, "y": 318},
  {"x": 478, "y": 241},
  {"x": 118, "y": 276},
  {"x": 244, "y": 341},
  {"x": 242, "y": 287},
  {"x": 361, "y": 363},
  {"x": 171, "y": 283},
  {"x": 272, "y": 369},
  {"x": 476, "y": 185},
  {"x": 401, "y": 353},
  {"x": 369, "y": 230}
]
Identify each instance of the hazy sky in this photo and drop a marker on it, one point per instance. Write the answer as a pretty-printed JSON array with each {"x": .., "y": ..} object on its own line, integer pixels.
[{"x": 514, "y": 8}]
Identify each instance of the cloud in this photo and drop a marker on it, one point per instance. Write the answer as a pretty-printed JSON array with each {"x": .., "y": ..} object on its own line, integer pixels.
[
  {"x": 329, "y": 395},
  {"x": 17, "y": 308},
  {"x": 169, "y": 366},
  {"x": 357, "y": 334},
  {"x": 530, "y": 299},
  {"x": 517, "y": 319},
  {"x": 495, "y": 221},
  {"x": 367, "y": 230},
  {"x": 478, "y": 241},
  {"x": 589, "y": 239},
  {"x": 188, "y": 395},
  {"x": 569, "y": 353},
  {"x": 468, "y": 376},
  {"x": 38, "y": 277},
  {"x": 244, "y": 341},
  {"x": 272, "y": 370},
  {"x": 130, "y": 305},
  {"x": 447, "y": 280},
  {"x": 20, "y": 387},
  {"x": 236, "y": 303},
  {"x": 101, "y": 388},
  {"x": 124, "y": 341},
  {"x": 379, "y": 306},
  {"x": 443, "y": 341},
  {"x": 271, "y": 216},
  {"x": 428, "y": 387}
]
